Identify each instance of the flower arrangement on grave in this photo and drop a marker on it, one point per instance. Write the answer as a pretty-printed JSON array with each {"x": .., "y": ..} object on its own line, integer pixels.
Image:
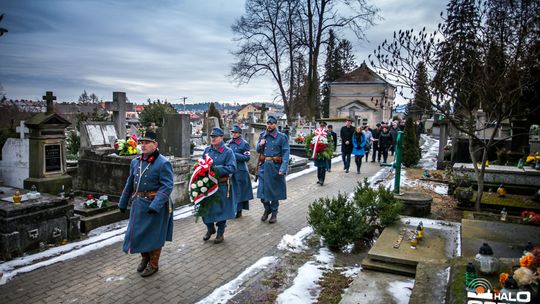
[
  {"x": 319, "y": 146},
  {"x": 530, "y": 217},
  {"x": 528, "y": 274},
  {"x": 203, "y": 186},
  {"x": 92, "y": 202},
  {"x": 299, "y": 139},
  {"x": 125, "y": 147}
]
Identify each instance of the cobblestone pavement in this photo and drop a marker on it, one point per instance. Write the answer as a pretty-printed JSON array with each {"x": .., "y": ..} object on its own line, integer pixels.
[{"x": 190, "y": 269}]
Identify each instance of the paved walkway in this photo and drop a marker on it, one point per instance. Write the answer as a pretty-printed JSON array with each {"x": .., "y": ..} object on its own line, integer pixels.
[{"x": 190, "y": 269}]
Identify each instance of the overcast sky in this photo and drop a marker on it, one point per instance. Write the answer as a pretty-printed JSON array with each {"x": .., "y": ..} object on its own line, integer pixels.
[{"x": 162, "y": 49}]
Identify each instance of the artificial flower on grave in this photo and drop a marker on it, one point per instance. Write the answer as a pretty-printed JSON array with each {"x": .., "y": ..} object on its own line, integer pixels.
[
  {"x": 319, "y": 146},
  {"x": 530, "y": 217},
  {"x": 529, "y": 271},
  {"x": 92, "y": 202},
  {"x": 203, "y": 185},
  {"x": 125, "y": 147},
  {"x": 502, "y": 278},
  {"x": 532, "y": 158},
  {"x": 299, "y": 139}
]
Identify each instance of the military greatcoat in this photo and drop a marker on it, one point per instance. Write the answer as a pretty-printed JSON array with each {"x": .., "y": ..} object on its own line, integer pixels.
[
  {"x": 272, "y": 186},
  {"x": 145, "y": 231},
  {"x": 240, "y": 180},
  {"x": 225, "y": 165}
]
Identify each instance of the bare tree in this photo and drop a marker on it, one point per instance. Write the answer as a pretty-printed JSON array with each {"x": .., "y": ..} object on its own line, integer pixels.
[{"x": 476, "y": 66}]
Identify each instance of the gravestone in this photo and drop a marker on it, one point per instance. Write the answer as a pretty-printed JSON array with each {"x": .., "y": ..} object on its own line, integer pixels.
[
  {"x": 211, "y": 122},
  {"x": 24, "y": 226},
  {"x": 47, "y": 151},
  {"x": 97, "y": 134},
  {"x": 119, "y": 106},
  {"x": 14, "y": 166},
  {"x": 175, "y": 136}
]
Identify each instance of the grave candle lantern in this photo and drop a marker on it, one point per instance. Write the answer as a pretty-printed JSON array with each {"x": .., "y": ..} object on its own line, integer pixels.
[{"x": 485, "y": 262}]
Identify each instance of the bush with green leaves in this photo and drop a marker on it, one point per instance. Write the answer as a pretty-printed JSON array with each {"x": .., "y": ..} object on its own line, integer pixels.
[
  {"x": 342, "y": 221},
  {"x": 338, "y": 220},
  {"x": 411, "y": 147},
  {"x": 73, "y": 143},
  {"x": 379, "y": 207}
]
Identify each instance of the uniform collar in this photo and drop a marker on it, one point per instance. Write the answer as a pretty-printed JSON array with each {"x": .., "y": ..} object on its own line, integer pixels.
[
  {"x": 218, "y": 148},
  {"x": 236, "y": 140},
  {"x": 273, "y": 133},
  {"x": 150, "y": 158}
]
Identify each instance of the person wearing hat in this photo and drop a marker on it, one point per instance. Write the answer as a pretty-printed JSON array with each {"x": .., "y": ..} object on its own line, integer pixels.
[
  {"x": 375, "y": 134},
  {"x": 346, "y": 134},
  {"x": 240, "y": 180},
  {"x": 273, "y": 149},
  {"x": 148, "y": 189},
  {"x": 225, "y": 166}
]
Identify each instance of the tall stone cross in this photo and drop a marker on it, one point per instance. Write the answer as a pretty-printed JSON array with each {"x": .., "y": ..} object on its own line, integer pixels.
[
  {"x": 22, "y": 129},
  {"x": 263, "y": 112},
  {"x": 119, "y": 106},
  {"x": 49, "y": 97}
]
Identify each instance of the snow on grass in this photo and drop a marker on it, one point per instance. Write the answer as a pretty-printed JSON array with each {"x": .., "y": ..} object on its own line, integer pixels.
[
  {"x": 305, "y": 288},
  {"x": 401, "y": 290},
  {"x": 295, "y": 243},
  {"x": 229, "y": 290},
  {"x": 430, "y": 151},
  {"x": 351, "y": 272}
]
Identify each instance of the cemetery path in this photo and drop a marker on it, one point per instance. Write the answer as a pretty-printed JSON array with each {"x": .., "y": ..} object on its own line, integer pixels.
[{"x": 190, "y": 269}]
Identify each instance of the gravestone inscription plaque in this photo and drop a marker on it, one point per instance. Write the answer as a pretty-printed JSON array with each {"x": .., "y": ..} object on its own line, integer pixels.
[{"x": 53, "y": 158}]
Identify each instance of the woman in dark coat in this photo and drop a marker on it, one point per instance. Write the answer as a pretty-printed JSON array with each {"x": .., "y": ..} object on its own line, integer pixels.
[{"x": 385, "y": 142}]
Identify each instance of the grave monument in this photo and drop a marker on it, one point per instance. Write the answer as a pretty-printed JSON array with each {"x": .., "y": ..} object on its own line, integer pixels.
[{"x": 47, "y": 150}]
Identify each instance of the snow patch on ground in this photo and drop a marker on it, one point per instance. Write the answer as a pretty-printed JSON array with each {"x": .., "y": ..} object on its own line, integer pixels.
[
  {"x": 182, "y": 212},
  {"x": 114, "y": 279},
  {"x": 430, "y": 151},
  {"x": 295, "y": 243},
  {"x": 229, "y": 290},
  {"x": 401, "y": 290},
  {"x": 305, "y": 288},
  {"x": 351, "y": 272}
]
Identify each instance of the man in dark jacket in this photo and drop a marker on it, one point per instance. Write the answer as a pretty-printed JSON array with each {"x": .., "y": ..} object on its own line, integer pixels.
[
  {"x": 375, "y": 141},
  {"x": 385, "y": 142},
  {"x": 346, "y": 134},
  {"x": 334, "y": 142}
]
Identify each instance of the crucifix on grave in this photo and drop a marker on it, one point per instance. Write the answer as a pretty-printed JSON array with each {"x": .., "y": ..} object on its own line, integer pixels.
[
  {"x": 264, "y": 108},
  {"x": 22, "y": 130},
  {"x": 49, "y": 97},
  {"x": 119, "y": 106}
]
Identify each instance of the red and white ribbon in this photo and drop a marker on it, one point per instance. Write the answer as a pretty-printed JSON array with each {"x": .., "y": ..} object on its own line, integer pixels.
[
  {"x": 203, "y": 170},
  {"x": 318, "y": 133}
]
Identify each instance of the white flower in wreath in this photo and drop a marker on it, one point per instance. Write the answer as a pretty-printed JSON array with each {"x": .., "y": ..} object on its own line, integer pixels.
[
  {"x": 104, "y": 198},
  {"x": 204, "y": 189},
  {"x": 200, "y": 183},
  {"x": 205, "y": 180},
  {"x": 194, "y": 193},
  {"x": 193, "y": 186}
]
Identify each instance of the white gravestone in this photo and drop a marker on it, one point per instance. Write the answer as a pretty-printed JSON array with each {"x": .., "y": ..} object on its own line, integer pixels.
[{"x": 14, "y": 167}]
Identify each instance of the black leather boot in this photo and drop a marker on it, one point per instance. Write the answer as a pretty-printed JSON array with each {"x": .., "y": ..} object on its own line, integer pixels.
[
  {"x": 273, "y": 218},
  {"x": 219, "y": 239},
  {"x": 208, "y": 234},
  {"x": 265, "y": 215}
]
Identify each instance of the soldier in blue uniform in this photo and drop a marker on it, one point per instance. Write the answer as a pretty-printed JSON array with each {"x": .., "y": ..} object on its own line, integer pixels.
[
  {"x": 225, "y": 166},
  {"x": 240, "y": 180},
  {"x": 148, "y": 189},
  {"x": 273, "y": 149}
]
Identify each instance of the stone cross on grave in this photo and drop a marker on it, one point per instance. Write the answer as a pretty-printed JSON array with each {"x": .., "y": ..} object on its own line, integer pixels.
[
  {"x": 49, "y": 97},
  {"x": 263, "y": 112},
  {"x": 119, "y": 107},
  {"x": 22, "y": 129}
]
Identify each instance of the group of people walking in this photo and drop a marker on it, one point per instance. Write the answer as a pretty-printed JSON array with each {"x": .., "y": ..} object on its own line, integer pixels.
[{"x": 150, "y": 184}]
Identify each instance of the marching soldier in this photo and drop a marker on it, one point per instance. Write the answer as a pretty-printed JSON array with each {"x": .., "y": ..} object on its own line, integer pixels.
[
  {"x": 240, "y": 180},
  {"x": 273, "y": 149},
  {"x": 148, "y": 188},
  {"x": 225, "y": 166}
]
